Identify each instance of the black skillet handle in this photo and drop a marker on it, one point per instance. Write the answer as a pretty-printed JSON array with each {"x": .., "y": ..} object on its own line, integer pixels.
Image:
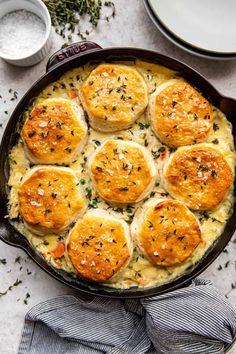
[{"x": 72, "y": 50}]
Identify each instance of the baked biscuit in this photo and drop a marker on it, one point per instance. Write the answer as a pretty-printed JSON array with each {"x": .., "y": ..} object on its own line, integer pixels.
[
  {"x": 199, "y": 176},
  {"x": 50, "y": 199},
  {"x": 55, "y": 132},
  {"x": 166, "y": 230},
  {"x": 122, "y": 171},
  {"x": 114, "y": 96},
  {"x": 179, "y": 114},
  {"x": 99, "y": 246}
]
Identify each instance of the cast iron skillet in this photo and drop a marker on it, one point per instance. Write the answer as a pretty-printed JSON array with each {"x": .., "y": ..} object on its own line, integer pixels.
[{"x": 73, "y": 56}]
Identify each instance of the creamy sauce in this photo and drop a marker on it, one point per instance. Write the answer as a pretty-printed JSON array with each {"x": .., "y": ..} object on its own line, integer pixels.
[{"x": 140, "y": 271}]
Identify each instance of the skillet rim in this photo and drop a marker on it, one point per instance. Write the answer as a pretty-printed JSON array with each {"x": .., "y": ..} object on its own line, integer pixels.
[{"x": 12, "y": 237}]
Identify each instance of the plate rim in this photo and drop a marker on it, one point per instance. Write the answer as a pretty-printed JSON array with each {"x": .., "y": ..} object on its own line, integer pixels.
[
  {"x": 214, "y": 52},
  {"x": 182, "y": 45}
]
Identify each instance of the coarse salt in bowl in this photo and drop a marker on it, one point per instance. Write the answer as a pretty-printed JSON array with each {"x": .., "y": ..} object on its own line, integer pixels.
[{"x": 25, "y": 28}]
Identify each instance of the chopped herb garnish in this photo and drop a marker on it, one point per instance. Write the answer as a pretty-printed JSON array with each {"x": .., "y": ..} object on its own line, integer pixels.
[
  {"x": 213, "y": 173},
  {"x": 118, "y": 210},
  {"x": 129, "y": 209},
  {"x": 82, "y": 181},
  {"x": 215, "y": 141},
  {"x": 215, "y": 127},
  {"x": 27, "y": 296},
  {"x": 93, "y": 203},
  {"x": 206, "y": 214},
  {"x": 88, "y": 192},
  {"x": 31, "y": 134},
  {"x": 203, "y": 168},
  {"x": 59, "y": 124},
  {"x": 143, "y": 125},
  {"x": 162, "y": 149},
  {"x": 123, "y": 188},
  {"x": 227, "y": 264},
  {"x": 233, "y": 286},
  {"x": 130, "y": 219},
  {"x": 150, "y": 226},
  {"x": 155, "y": 154},
  {"x": 137, "y": 274},
  {"x": 17, "y": 282},
  {"x": 68, "y": 149},
  {"x": 59, "y": 136},
  {"x": 63, "y": 86},
  {"x": 97, "y": 142}
]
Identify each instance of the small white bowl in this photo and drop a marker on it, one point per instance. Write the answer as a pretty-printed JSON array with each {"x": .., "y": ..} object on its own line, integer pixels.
[{"x": 39, "y": 9}]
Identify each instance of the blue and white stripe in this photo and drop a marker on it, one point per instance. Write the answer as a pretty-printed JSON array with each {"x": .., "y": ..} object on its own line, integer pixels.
[{"x": 195, "y": 320}]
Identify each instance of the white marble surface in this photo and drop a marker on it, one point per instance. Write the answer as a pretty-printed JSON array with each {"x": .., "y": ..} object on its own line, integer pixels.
[{"x": 131, "y": 27}]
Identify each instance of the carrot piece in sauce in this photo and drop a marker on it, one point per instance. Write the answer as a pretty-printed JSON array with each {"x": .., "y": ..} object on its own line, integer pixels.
[
  {"x": 59, "y": 250},
  {"x": 72, "y": 93}
]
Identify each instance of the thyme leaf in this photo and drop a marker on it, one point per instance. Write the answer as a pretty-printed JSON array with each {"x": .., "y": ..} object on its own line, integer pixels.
[
  {"x": 66, "y": 15},
  {"x": 17, "y": 282}
]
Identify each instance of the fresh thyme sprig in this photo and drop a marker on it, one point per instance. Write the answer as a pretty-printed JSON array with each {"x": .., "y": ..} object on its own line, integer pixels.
[
  {"x": 66, "y": 15},
  {"x": 17, "y": 282}
]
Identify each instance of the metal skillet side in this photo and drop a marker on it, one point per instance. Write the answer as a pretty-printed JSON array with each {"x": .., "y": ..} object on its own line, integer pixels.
[{"x": 76, "y": 55}]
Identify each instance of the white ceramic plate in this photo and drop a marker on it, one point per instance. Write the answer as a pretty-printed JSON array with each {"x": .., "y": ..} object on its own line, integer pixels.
[
  {"x": 183, "y": 45},
  {"x": 208, "y": 25}
]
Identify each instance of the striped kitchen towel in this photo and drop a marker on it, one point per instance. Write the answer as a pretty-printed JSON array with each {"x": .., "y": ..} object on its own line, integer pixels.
[{"x": 196, "y": 319}]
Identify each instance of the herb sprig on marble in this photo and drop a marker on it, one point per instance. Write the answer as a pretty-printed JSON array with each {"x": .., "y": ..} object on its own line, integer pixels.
[{"x": 66, "y": 15}]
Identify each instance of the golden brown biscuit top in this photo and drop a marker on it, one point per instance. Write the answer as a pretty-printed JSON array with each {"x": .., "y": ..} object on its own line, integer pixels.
[
  {"x": 114, "y": 93},
  {"x": 182, "y": 115},
  {"x": 52, "y": 132},
  {"x": 121, "y": 171},
  {"x": 200, "y": 176},
  {"x": 169, "y": 233},
  {"x": 50, "y": 198},
  {"x": 98, "y": 248}
]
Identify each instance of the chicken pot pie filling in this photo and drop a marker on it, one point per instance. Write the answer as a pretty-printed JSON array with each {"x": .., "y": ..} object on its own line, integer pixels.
[{"x": 140, "y": 271}]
